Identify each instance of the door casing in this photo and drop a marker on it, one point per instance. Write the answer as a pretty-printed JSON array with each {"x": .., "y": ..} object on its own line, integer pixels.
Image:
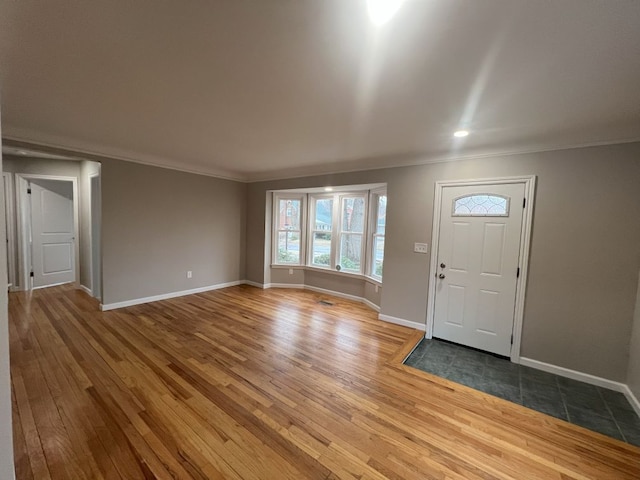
[
  {"x": 529, "y": 182},
  {"x": 24, "y": 226}
]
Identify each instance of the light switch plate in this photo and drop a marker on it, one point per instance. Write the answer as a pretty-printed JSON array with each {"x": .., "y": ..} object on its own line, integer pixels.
[{"x": 420, "y": 247}]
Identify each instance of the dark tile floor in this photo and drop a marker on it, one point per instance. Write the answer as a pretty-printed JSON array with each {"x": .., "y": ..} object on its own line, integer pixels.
[{"x": 595, "y": 408}]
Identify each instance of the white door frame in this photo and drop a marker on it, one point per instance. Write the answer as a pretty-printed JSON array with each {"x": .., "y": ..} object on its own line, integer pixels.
[
  {"x": 529, "y": 182},
  {"x": 24, "y": 226},
  {"x": 11, "y": 220},
  {"x": 95, "y": 270}
]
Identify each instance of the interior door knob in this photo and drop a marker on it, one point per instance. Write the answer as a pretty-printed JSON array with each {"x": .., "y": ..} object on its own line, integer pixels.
[{"x": 441, "y": 275}]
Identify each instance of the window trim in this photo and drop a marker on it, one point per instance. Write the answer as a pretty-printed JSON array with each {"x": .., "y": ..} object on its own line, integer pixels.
[
  {"x": 308, "y": 198},
  {"x": 373, "y": 231},
  {"x": 277, "y": 196}
]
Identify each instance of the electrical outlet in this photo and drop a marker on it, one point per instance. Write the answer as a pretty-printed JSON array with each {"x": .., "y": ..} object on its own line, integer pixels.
[
  {"x": 376, "y": 288},
  {"x": 189, "y": 274},
  {"x": 420, "y": 247},
  {"x": 291, "y": 271}
]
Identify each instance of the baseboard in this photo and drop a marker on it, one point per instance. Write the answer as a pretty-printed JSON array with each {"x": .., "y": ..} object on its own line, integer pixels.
[
  {"x": 403, "y": 322},
  {"x": 253, "y": 284},
  {"x": 301, "y": 286},
  {"x": 86, "y": 290},
  {"x": 633, "y": 400},
  {"x": 575, "y": 375},
  {"x": 166, "y": 296}
]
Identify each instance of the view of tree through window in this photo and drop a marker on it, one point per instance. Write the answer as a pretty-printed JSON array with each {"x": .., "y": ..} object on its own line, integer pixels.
[
  {"x": 289, "y": 232},
  {"x": 353, "y": 218},
  {"x": 322, "y": 232}
]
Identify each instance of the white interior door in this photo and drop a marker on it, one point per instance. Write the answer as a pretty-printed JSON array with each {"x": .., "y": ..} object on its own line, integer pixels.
[
  {"x": 52, "y": 232},
  {"x": 478, "y": 254}
]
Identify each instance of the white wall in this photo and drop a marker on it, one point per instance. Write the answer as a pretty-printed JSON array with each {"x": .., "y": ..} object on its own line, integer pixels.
[{"x": 6, "y": 431}]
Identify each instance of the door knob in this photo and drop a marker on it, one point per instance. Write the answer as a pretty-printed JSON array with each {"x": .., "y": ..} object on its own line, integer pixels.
[
  {"x": 442, "y": 265},
  {"x": 441, "y": 275}
]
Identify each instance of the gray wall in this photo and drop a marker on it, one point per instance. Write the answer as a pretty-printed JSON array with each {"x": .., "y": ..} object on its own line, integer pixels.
[
  {"x": 633, "y": 374},
  {"x": 585, "y": 251},
  {"x": 87, "y": 168},
  {"x": 6, "y": 425},
  {"x": 158, "y": 223}
]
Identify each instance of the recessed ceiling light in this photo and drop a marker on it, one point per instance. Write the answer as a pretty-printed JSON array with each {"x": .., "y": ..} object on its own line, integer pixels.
[
  {"x": 461, "y": 133},
  {"x": 328, "y": 189},
  {"x": 381, "y": 11}
]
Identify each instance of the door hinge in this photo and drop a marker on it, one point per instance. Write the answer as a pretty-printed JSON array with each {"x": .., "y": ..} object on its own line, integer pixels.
[
  {"x": 512, "y": 339},
  {"x": 31, "y": 274},
  {"x": 518, "y": 273},
  {"x": 524, "y": 202},
  {"x": 29, "y": 191}
]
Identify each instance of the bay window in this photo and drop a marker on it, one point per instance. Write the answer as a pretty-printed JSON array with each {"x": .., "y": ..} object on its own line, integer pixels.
[{"x": 343, "y": 233}]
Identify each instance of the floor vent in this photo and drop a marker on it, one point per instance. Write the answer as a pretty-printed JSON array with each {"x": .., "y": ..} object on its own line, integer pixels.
[{"x": 326, "y": 302}]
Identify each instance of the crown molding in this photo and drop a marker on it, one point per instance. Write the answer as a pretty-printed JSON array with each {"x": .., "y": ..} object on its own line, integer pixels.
[
  {"x": 415, "y": 159},
  {"x": 30, "y": 140},
  {"x": 73, "y": 148}
]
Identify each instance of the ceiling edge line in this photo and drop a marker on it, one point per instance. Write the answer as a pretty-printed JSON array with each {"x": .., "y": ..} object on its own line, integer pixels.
[
  {"x": 433, "y": 159},
  {"x": 79, "y": 151}
]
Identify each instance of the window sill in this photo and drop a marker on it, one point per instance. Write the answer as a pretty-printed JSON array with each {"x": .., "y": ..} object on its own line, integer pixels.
[{"x": 359, "y": 276}]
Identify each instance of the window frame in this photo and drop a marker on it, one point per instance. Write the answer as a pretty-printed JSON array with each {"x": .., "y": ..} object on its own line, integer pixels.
[
  {"x": 277, "y": 197},
  {"x": 373, "y": 232},
  {"x": 363, "y": 236},
  {"x": 308, "y": 201}
]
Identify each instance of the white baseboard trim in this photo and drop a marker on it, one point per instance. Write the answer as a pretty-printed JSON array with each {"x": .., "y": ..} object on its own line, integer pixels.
[
  {"x": 301, "y": 286},
  {"x": 403, "y": 322},
  {"x": 633, "y": 400},
  {"x": 574, "y": 374},
  {"x": 166, "y": 296},
  {"x": 253, "y": 284},
  {"x": 86, "y": 290}
]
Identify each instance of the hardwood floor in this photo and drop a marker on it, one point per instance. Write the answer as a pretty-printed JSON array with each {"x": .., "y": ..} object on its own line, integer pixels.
[{"x": 243, "y": 383}]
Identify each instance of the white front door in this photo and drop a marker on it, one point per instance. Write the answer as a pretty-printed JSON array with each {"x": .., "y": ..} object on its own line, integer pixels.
[
  {"x": 478, "y": 254},
  {"x": 52, "y": 232}
]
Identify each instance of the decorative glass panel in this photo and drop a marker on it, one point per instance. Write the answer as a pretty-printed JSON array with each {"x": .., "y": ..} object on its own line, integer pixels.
[
  {"x": 321, "y": 249},
  {"x": 350, "y": 252},
  {"x": 289, "y": 247},
  {"x": 353, "y": 214},
  {"x": 381, "y": 220},
  {"x": 482, "y": 205},
  {"x": 323, "y": 212}
]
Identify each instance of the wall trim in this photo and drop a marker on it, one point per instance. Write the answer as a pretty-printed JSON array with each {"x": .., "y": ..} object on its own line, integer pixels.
[
  {"x": 301, "y": 286},
  {"x": 166, "y": 296},
  {"x": 253, "y": 284},
  {"x": 86, "y": 290},
  {"x": 583, "y": 377},
  {"x": 403, "y": 322}
]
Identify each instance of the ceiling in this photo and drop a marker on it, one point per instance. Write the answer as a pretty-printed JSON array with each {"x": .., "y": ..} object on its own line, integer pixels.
[{"x": 277, "y": 88}]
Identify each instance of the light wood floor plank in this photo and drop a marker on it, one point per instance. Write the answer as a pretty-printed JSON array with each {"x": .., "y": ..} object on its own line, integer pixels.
[{"x": 243, "y": 383}]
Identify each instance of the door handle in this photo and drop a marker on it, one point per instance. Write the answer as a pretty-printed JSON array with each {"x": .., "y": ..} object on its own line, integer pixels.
[{"x": 441, "y": 275}]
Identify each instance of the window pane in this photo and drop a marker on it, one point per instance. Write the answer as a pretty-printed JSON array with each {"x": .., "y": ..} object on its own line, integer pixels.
[
  {"x": 323, "y": 212},
  {"x": 381, "y": 220},
  {"x": 321, "y": 249},
  {"x": 378, "y": 256},
  {"x": 481, "y": 205},
  {"x": 353, "y": 214},
  {"x": 289, "y": 218},
  {"x": 350, "y": 252},
  {"x": 288, "y": 247}
]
